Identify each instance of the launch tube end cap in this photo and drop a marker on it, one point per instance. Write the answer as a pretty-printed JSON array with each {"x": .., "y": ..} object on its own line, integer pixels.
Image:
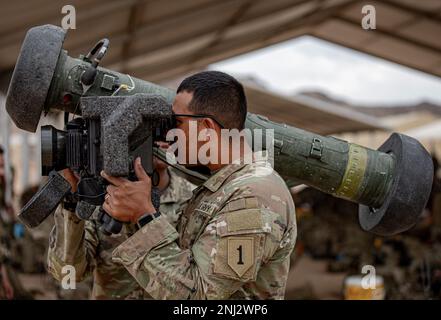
[
  {"x": 33, "y": 75},
  {"x": 409, "y": 192}
]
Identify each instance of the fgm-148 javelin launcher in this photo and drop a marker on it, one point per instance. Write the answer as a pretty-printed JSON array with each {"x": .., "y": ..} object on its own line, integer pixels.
[{"x": 121, "y": 116}]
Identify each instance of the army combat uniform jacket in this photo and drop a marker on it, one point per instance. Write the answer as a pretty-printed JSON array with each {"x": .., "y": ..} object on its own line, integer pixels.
[
  {"x": 82, "y": 245},
  {"x": 233, "y": 240}
]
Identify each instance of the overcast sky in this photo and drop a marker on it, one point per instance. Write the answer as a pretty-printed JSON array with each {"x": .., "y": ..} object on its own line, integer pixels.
[{"x": 307, "y": 64}]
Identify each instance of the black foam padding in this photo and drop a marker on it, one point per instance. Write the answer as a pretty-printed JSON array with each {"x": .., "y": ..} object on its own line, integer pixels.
[
  {"x": 410, "y": 190},
  {"x": 124, "y": 121},
  {"x": 33, "y": 74},
  {"x": 45, "y": 201}
]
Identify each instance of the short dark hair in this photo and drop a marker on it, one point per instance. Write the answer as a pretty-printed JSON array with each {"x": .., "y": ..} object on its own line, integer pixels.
[
  {"x": 1, "y": 150},
  {"x": 219, "y": 95}
]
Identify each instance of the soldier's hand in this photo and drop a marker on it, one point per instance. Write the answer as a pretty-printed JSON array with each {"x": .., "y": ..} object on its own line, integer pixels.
[
  {"x": 127, "y": 200},
  {"x": 71, "y": 177}
]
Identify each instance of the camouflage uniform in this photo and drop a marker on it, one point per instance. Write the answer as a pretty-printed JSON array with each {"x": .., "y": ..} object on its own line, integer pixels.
[
  {"x": 233, "y": 240},
  {"x": 82, "y": 245}
]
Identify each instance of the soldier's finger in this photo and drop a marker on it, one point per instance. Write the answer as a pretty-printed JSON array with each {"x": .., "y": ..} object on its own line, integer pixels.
[
  {"x": 140, "y": 172},
  {"x": 116, "y": 181},
  {"x": 111, "y": 189},
  {"x": 108, "y": 208},
  {"x": 107, "y": 198}
]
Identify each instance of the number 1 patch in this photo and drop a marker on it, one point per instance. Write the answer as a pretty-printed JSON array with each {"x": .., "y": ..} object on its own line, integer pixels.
[{"x": 240, "y": 254}]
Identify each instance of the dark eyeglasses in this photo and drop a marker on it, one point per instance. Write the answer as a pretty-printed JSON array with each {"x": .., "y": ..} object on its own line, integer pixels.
[{"x": 200, "y": 116}]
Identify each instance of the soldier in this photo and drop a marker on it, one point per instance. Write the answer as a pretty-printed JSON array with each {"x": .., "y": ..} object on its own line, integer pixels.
[
  {"x": 10, "y": 284},
  {"x": 235, "y": 236},
  {"x": 84, "y": 246}
]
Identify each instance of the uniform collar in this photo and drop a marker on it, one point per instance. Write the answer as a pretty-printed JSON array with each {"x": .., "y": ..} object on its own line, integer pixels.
[{"x": 216, "y": 180}]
